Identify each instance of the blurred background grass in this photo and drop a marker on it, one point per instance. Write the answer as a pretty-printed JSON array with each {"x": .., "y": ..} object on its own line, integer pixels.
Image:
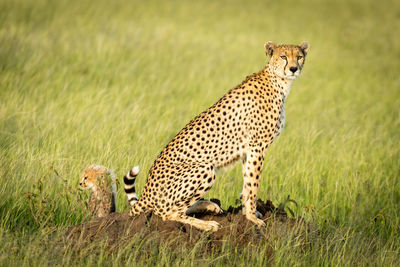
[{"x": 111, "y": 82}]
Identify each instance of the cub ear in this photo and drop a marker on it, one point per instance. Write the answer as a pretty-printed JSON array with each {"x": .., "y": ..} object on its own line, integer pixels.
[
  {"x": 269, "y": 48},
  {"x": 305, "y": 46}
]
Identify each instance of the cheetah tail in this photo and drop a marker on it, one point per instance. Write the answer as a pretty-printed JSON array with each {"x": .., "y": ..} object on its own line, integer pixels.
[{"x": 129, "y": 185}]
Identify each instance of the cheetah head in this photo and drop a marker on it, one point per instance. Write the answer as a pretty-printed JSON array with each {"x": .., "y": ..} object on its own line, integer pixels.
[
  {"x": 286, "y": 61},
  {"x": 91, "y": 175}
]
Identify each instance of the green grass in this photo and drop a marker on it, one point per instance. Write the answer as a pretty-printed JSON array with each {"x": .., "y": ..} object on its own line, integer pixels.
[{"x": 112, "y": 82}]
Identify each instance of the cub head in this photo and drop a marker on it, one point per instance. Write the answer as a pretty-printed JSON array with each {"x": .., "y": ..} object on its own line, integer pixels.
[
  {"x": 286, "y": 61},
  {"x": 90, "y": 176}
]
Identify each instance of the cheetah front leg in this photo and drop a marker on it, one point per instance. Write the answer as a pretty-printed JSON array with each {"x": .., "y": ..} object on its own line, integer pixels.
[{"x": 251, "y": 169}]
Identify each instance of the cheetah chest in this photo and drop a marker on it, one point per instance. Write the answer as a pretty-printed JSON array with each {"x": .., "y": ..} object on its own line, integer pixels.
[
  {"x": 281, "y": 122},
  {"x": 274, "y": 118}
]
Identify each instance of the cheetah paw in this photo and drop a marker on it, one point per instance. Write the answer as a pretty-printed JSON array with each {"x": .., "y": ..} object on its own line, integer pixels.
[
  {"x": 260, "y": 223},
  {"x": 212, "y": 226}
]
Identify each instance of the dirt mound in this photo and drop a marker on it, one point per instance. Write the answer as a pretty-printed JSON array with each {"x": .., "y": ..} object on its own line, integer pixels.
[{"x": 118, "y": 228}]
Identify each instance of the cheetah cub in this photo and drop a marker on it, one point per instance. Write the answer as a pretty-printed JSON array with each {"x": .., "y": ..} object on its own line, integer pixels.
[
  {"x": 240, "y": 126},
  {"x": 102, "y": 181}
]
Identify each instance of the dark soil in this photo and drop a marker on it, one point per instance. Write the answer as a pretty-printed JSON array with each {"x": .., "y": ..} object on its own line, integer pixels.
[{"x": 118, "y": 228}]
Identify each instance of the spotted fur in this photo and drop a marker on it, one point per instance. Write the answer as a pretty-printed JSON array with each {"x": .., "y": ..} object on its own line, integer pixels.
[{"x": 240, "y": 126}]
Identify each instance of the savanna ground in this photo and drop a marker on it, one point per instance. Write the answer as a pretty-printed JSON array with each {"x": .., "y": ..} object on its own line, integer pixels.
[{"x": 111, "y": 82}]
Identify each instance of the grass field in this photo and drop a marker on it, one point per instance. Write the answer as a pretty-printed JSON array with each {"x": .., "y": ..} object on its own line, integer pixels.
[{"x": 112, "y": 82}]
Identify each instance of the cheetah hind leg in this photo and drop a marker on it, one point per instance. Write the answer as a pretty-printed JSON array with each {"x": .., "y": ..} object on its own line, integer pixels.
[
  {"x": 191, "y": 197},
  {"x": 197, "y": 223},
  {"x": 204, "y": 206}
]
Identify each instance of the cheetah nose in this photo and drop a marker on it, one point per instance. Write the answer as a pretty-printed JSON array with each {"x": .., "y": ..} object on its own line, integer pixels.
[
  {"x": 293, "y": 69},
  {"x": 80, "y": 184}
]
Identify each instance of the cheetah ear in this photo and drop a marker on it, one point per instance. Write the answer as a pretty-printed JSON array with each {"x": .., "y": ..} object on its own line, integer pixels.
[
  {"x": 305, "y": 46},
  {"x": 269, "y": 48}
]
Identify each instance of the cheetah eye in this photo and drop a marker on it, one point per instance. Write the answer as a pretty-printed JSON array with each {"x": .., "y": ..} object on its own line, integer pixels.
[
  {"x": 84, "y": 178},
  {"x": 299, "y": 57},
  {"x": 283, "y": 57}
]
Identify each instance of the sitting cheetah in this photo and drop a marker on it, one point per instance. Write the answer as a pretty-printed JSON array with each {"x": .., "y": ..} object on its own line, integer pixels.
[
  {"x": 101, "y": 180},
  {"x": 240, "y": 126}
]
